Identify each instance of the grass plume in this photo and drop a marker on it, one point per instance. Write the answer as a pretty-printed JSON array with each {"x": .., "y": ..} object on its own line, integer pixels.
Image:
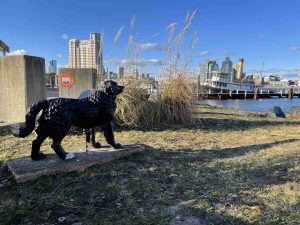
[{"x": 118, "y": 34}]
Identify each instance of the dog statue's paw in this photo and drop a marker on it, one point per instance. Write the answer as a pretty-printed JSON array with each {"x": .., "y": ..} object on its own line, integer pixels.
[
  {"x": 118, "y": 146},
  {"x": 38, "y": 157},
  {"x": 70, "y": 155},
  {"x": 97, "y": 145},
  {"x": 94, "y": 145}
]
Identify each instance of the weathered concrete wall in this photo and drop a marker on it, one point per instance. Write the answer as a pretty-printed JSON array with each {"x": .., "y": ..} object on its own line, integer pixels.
[
  {"x": 35, "y": 80},
  {"x": 84, "y": 79},
  {"x": 22, "y": 82}
]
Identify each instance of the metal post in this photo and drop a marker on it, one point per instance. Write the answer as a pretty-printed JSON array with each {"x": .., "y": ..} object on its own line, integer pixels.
[
  {"x": 255, "y": 93},
  {"x": 290, "y": 95}
]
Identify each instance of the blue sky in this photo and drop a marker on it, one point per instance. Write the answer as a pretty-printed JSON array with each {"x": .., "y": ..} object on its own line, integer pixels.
[{"x": 257, "y": 30}]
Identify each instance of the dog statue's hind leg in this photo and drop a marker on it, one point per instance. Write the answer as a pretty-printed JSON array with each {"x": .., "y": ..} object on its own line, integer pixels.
[
  {"x": 36, "y": 145},
  {"x": 56, "y": 146}
]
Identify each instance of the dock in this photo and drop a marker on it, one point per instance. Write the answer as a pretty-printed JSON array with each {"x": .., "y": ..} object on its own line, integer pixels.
[{"x": 258, "y": 93}]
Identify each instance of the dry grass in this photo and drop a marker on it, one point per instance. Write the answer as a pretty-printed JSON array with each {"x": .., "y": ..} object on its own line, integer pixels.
[
  {"x": 174, "y": 105},
  {"x": 177, "y": 95},
  {"x": 131, "y": 104}
]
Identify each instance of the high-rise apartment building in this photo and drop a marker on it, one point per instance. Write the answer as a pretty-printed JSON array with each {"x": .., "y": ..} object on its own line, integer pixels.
[
  {"x": 239, "y": 69},
  {"x": 206, "y": 69},
  {"x": 52, "y": 67},
  {"x": 121, "y": 72},
  {"x": 227, "y": 66},
  {"x": 86, "y": 53}
]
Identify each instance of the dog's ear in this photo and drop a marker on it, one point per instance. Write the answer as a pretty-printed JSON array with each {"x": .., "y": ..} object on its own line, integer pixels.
[
  {"x": 111, "y": 87},
  {"x": 108, "y": 87},
  {"x": 105, "y": 86}
]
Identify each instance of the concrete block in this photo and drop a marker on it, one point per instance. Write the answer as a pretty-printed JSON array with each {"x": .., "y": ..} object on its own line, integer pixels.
[
  {"x": 5, "y": 128},
  {"x": 24, "y": 169},
  {"x": 84, "y": 79},
  {"x": 22, "y": 82}
]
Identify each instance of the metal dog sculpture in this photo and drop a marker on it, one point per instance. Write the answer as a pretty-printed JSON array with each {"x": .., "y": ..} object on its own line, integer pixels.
[{"x": 97, "y": 109}]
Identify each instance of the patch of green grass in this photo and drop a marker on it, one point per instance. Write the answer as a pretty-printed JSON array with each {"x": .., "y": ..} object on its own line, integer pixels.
[{"x": 232, "y": 167}]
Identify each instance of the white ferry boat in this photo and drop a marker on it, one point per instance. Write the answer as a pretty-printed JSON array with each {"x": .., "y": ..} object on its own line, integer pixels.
[{"x": 222, "y": 82}]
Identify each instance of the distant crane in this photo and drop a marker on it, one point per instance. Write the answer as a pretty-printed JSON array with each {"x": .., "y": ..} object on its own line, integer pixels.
[{"x": 262, "y": 68}]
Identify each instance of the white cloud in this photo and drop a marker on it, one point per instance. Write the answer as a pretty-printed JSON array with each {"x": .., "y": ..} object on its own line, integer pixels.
[
  {"x": 62, "y": 66},
  {"x": 17, "y": 52},
  {"x": 150, "y": 62},
  {"x": 204, "y": 53},
  {"x": 290, "y": 75},
  {"x": 273, "y": 70},
  {"x": 151, "y": 46},
  {"x": 115, "y": 61},
  {"x": 226, "y": 53},
  {"x": 142, "y": 63},
  {"x": 286, "y": 73},
  {"x": 59, "y": 55},
  {"x": 65, "y": 36},
  {"x": 155, "y": 35},
  {"x": 295, "y": 49}
]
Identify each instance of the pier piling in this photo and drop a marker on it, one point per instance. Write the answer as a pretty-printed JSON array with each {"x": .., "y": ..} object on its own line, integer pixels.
[
  {"x": 290, "y": 95},
  {"x": 255, "y": 93}
]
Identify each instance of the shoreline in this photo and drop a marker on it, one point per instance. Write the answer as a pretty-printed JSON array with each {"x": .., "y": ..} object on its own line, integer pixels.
[{"x": 260, "y": 105}]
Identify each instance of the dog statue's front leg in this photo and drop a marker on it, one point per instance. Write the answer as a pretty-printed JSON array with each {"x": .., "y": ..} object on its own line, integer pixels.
[
  {"x": 109, "y": 135},
  {"x": 93, "y": 142},
  {"x": 91, "y": 138}
]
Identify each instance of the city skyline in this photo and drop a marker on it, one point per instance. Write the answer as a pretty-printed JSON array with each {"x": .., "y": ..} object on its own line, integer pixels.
[{"x": 258, "y": 31}]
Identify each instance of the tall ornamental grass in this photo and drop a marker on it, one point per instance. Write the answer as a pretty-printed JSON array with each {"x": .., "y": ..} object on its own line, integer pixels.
[{"x": 173, "y": 101}]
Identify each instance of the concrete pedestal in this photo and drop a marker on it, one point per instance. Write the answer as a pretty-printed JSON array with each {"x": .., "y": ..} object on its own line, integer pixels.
[
  {"x": 24, "y": 169},
  {"x": 22, "y": 82},
  {"x": 84, "y": 79}
]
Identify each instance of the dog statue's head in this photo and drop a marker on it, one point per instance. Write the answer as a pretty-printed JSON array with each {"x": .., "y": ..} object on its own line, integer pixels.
[{"x": 112, "y": 88}]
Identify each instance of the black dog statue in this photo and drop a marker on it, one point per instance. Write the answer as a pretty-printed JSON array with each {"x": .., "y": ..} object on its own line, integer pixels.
[
  {"x": 90, "y": 134},
  {"x": 97, "y": 109}
]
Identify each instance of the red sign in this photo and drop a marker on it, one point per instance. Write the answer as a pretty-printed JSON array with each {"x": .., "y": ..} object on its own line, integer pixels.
[{"x": 66, "y": 80}]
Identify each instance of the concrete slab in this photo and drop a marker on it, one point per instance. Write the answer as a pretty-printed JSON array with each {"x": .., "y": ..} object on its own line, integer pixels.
[
  {"x": 5, "y": 128},
  {"x": 24, "y": 169}
]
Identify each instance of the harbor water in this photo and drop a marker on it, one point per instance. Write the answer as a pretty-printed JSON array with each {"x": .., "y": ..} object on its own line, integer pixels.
[{"x": 260, "y": 105}]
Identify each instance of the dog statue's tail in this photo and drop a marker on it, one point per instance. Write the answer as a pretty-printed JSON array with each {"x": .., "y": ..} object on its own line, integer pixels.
[{"x": 31, "y": 114}]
